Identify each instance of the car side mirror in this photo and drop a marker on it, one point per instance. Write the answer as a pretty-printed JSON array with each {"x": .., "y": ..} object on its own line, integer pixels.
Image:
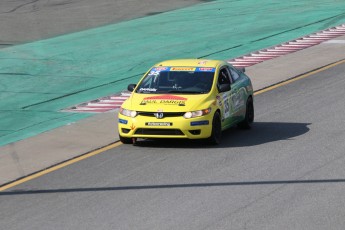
[
  {"x": 131, "y": 87},
  {"x": 224, "y": 88}
]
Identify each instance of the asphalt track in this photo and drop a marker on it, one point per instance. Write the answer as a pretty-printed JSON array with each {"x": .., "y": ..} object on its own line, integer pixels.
[
  {"x": 23, "y": 21},
  {"x": 285, "y": 173},
  {"x": 40, "y": 78}
]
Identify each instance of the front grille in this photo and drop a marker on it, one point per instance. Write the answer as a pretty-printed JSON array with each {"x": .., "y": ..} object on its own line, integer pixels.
[
  {"x": 165, "y": 114},
  {"x": 173, "y": 132}
]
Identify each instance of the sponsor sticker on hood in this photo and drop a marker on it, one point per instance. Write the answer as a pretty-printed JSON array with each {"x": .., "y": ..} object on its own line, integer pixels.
[{"x": 164, "y": 99}]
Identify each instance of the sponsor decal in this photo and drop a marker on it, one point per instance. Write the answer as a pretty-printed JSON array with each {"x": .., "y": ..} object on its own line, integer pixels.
[
  {"x": 156, "y": 70},
  {"x": 196, "y": 123},
  {"x": 205, "y": 69},
  {"x": 154, "y": 73},
  {"x": 182, "y": 69},
  {"x": 122, "y": 121},
  {"x": 164, "y": 99},
  {"x": 132, "y": 127},
  {"x": 160, "y": 69},
  {"x": 158, "y": 123},
  {"x": 148, "y": 89}
]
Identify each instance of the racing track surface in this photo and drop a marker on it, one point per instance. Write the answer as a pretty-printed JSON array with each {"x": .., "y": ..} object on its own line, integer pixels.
[{"x": 285, "y": 173}]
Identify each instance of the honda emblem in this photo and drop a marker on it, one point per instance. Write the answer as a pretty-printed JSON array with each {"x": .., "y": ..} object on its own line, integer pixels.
[{"x": 159, "y": 115}]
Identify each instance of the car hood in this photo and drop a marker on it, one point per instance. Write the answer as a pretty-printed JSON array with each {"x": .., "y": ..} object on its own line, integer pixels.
[{"x": 166, "y": 102}]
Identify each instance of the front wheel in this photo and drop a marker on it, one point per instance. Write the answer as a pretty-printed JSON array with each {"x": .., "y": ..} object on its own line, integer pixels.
[
  {"x": 216, "y": 134},
  {"x": 249, "y": 117}
]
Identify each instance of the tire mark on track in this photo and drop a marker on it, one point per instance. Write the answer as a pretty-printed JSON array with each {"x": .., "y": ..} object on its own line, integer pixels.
[{"x": 20, "y": 6}]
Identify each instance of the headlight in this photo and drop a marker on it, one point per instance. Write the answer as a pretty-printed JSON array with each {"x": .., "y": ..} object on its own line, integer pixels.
[
  {"x": 128, "y": 113},
  {"x": 197, "y": 113}
]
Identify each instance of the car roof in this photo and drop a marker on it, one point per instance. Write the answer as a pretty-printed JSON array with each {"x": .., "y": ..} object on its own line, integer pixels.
[{"x": 192, "y": 62}]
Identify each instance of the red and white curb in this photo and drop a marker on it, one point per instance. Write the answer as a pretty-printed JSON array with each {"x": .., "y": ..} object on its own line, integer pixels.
[
  {"x": 115, "y": 101},
  {"x": 101, "y": 105},
  {"x": 288, "y": 47}
]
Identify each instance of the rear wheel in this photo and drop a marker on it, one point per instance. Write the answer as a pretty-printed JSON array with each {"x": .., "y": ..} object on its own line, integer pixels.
[
  {"x": 249, "y": 117},
  {"x": 125, "y": 140},
  {"x": 216, "y": 134}
]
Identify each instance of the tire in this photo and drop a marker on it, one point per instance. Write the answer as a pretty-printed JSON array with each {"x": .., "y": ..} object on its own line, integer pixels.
[
  {"x": 216, "y": 134},
  {"x": 249, "y": 117},
  {"x": 125, "y": 140}
]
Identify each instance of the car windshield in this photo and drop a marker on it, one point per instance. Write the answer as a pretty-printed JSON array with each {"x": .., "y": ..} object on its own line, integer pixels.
[{"x": 177, "y": 80}]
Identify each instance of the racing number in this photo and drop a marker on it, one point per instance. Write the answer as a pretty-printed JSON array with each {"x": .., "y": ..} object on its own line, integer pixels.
[{"x": 226, "y": 107}]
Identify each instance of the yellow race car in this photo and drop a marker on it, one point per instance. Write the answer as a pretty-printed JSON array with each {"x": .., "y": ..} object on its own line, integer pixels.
[{"x": 187, "y": 98}]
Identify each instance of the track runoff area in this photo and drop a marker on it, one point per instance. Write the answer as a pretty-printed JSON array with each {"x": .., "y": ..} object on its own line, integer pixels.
[{"x": 112, "y": 102}]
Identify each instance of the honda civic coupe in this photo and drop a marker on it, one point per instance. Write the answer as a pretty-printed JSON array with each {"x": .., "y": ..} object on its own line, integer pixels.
[{"x": 187, "y": 98}]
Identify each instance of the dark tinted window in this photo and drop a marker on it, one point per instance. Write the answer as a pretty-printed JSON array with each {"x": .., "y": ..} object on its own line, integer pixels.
[
  {"x": 234, "y": 74},
  {"x": 171, "y": 80},
  {"x": 223, "y": 77}
]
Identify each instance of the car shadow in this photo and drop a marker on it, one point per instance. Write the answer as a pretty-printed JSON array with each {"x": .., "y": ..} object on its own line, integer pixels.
[{"x": 260, "y": 133}]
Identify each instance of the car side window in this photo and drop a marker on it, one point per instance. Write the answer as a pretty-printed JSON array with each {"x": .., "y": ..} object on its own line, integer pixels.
[
  {"x": 234, "y": 74},
  {"x": 224, "y": 77}
]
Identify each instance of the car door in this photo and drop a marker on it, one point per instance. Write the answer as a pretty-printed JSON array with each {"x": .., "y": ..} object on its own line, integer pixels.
[
  {"x": 238, "y": 93},
  {"x": 225, "y": 98}
]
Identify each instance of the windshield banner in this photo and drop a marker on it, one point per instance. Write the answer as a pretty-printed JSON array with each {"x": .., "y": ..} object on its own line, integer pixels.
[{"x": 188, "y": 69}]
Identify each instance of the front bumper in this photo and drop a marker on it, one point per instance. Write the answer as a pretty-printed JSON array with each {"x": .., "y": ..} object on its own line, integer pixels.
[{"x": 168, "y": 127}]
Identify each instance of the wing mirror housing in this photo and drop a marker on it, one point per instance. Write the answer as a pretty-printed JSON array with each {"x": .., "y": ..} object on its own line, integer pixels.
[{"x": 131, "y": 87}]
